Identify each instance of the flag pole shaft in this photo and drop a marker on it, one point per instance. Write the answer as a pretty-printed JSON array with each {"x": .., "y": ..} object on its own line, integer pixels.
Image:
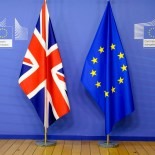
[
  {"x": 108, "y": 139},
  {"x": 45, "y": 135}
]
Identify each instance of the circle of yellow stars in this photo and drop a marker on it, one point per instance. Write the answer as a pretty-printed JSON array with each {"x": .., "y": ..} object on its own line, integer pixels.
[
  {"x": 5, "y": 33},
  {"x": 93, "y": 73},
  {"x": 150, "y": 32}
]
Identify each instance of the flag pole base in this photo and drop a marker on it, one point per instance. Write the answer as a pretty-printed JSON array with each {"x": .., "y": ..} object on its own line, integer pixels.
[
  {"x": 108, "y": 145},
  {"x": 48, "y": 143}
]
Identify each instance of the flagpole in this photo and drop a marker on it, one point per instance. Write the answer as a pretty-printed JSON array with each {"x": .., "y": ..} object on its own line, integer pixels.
[
  {"x": 107, "y": 143},
  {"x": 108, "y": 139},
  {"x": 45, "y": 135}
]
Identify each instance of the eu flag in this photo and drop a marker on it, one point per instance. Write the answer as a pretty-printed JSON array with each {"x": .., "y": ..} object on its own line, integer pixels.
[
  {"x": 105, "y": 73},
  {"x": 149, "y": 32},
  {"x": 6, "y": 32}
]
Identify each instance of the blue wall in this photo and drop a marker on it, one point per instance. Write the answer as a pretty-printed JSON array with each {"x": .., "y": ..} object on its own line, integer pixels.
[{"x": 75, "y": 23}]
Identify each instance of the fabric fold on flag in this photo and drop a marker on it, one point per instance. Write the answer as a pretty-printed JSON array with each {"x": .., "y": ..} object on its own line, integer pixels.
[
  {"x": 105, "y": 73},
  {"x": 42, "y": 77}
]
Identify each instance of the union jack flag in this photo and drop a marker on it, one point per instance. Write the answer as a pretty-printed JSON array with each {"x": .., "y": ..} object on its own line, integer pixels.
[{"x": 42, "y": 78}]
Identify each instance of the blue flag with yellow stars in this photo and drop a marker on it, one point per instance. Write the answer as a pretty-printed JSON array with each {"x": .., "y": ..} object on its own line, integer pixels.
[{"x": 105, "y": 73}]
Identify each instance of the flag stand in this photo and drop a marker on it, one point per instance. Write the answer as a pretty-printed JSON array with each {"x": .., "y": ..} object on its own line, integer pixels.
[
  {"x": 107, "y": 143},
  {"x": 45, "y": 142}
]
